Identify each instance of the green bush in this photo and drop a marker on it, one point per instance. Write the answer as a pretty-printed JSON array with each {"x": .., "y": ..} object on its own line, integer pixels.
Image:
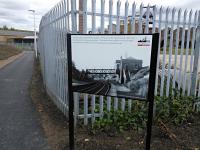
[
  {"x": 123, "y": 120},
  {"x": 175, "y": 109}
]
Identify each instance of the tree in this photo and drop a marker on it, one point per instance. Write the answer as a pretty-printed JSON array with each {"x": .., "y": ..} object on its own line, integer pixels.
[{"x": 5, "y": 27}]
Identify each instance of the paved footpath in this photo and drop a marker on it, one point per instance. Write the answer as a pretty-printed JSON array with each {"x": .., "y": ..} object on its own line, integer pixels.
[{"x": 19, "y": 122}]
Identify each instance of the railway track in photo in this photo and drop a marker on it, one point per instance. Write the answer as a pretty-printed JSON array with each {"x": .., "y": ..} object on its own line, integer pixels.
[{"x": 97, "y": 88}]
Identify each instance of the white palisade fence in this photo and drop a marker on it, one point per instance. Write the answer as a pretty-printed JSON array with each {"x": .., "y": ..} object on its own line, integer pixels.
[{"x": 178, "y": 52}]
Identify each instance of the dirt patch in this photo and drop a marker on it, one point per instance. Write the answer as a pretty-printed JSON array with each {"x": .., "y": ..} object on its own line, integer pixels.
[
  {"x": 7, "y": 61},
  {"x": 55, "y": 125},
  {"x": 7, "y": 51},
  {"x": 128, "y": 140},
  {"x": 186, "y": 136},
  {"x": 53, "y": 121},
  {"x": 8, "y": 54}
]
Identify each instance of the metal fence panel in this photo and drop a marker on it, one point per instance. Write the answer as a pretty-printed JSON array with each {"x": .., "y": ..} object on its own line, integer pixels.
[{"x": 177, "y": 67}]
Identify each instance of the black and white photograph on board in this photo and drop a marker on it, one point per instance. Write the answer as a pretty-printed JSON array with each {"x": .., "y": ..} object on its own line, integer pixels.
[{"x": 111, "y": 65}]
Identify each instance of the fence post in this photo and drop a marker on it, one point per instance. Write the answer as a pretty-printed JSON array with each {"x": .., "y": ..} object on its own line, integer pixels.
[
  {"x": 76, "y": 107},
  {"x": 101, "y": 107},
  {"x": 84, "y": 16},
  {"x": 85, "y": 109},
  {"x": 93, "y": 108},
  {"x": 73, "y": 16},
  {"x": 126, "y": 18},
  {"x": 102, "y": 15},
  {"x": 196, "y": 59},
  {"x": 93, "y": 16},
  {"x": 192, "y": 52},
  {"x": 110, "y": 30}
]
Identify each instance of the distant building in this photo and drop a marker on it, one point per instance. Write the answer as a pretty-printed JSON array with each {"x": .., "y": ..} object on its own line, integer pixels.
[
  {"x": 125, "y": 67},
  {"x": 131, "y": 64},
  {"x": 113, "y": 28},
  {"x": 6, "y": 35},
  {"x": 18, "y": 38}
]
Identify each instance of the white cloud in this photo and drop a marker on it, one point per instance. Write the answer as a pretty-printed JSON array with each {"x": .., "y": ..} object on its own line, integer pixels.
[{"x": 14, "y": 13}]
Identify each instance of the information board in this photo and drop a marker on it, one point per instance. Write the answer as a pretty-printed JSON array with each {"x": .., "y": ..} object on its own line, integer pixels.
[{"x": 111, "y": 65}]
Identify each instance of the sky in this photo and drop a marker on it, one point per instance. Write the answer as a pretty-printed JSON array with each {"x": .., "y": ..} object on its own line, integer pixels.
[{"x": 14, "y": 13}]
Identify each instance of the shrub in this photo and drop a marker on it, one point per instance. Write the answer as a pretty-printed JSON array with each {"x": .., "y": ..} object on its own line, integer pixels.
[
  {"x": 123, "y": 120},
  {"x": 175, "y": 109}
]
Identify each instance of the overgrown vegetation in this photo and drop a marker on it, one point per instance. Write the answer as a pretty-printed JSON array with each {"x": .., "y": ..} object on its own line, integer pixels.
[
  {"x": 122, "y": 120},
  {"x": 175, "y": 109}
]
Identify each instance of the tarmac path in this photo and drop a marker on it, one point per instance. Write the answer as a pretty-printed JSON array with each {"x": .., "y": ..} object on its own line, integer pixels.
[{"x": 20, "y": 127}]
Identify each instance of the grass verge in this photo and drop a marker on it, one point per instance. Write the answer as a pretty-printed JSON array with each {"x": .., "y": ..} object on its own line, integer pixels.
[{"x": 7, "y": 51}]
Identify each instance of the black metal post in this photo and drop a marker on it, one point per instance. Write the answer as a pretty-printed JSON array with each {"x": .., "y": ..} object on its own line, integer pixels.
[
  {"x": 70, "y": 94},
  {"x": 151, "y": 88}
]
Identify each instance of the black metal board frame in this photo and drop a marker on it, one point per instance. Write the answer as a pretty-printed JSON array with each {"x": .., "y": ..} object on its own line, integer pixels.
[{"x": 151, "y": 86}]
